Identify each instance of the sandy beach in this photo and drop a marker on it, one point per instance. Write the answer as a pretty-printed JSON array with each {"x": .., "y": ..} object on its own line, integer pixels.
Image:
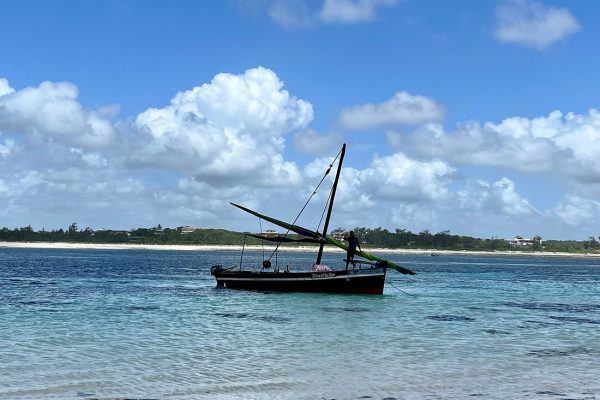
[{"x": 424, "y": 252}]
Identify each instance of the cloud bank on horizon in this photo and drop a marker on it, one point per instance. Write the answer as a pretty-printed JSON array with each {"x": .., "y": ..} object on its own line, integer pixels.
[
  {"x": 237, "y": 137},
  {"x": 226, "y": 139}
]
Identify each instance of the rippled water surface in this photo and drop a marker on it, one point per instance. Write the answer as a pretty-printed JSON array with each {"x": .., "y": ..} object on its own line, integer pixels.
[{"x": 91, "y": 324}]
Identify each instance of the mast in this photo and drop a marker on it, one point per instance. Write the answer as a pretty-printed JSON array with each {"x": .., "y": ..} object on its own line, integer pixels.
[{"x": 334, "y": 187}]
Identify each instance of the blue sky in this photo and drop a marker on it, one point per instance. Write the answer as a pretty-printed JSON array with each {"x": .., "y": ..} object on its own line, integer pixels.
[{"x": 478, "y": 117}]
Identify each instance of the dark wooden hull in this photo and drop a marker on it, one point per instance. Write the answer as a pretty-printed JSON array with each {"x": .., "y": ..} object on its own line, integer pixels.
[{"x": 366, "y": 281}]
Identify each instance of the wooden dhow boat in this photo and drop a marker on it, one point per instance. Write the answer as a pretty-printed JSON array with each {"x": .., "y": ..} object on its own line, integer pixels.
[{"x": 366, "y": 275}]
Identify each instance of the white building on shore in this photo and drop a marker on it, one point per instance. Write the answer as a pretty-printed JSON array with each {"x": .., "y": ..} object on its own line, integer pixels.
[
  {"x": 520, "y": 241},
  {"x": 270, "y": 233},
  {"x": 185, "y": 230}
]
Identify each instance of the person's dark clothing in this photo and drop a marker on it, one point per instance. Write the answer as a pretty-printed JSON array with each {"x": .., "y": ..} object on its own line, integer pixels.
[{"x": 353, "y": 243}]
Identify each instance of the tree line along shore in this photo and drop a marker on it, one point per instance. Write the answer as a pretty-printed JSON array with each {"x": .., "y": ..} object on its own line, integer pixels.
[{"x": 369, "y": 237}]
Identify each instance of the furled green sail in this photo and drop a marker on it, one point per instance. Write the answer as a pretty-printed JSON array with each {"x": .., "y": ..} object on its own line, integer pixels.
[
  {"x": 316, "y": 235},
  {"x": 294, "y": 228},
  {"x": 371, "y": 257},
  {"x": 281, "y": 239}
]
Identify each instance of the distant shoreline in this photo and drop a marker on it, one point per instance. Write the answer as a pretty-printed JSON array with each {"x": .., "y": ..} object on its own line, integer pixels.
[{"x": 300, "y": 249}]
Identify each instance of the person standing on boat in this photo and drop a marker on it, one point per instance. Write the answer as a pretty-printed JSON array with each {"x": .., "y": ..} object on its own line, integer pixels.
[{"x": 353, "y": 243}]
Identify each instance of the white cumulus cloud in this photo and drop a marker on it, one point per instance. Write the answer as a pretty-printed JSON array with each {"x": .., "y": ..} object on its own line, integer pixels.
[
  {"x": 414, "y": 215},
  {"x": 533, "y": 24},
  {"x": 51, "y": 112},
  {"x": 385, "y": 191},
  {"x": 402, "y": 109},
  {"x": 499, "y": 198},
  {"x": 350, "y": 195},
  {"x": 5, "y": 87},
  {"x": 230, "y": 130},
  {"x": 578, "y": 211},
  {"x": 400, "y": 178},
  {"x": 567, "y": 144}
]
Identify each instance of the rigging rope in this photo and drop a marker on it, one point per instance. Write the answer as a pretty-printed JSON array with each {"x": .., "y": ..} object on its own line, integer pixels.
[
  {"x": 262, "y": 242},
  {"x": 324, "y": 211},
  {"x": 400, "y": 290},
  {"x": 308, "y": 201},
  {"x": 317, "y": 188},
  {"x": 242, "y": 255}
]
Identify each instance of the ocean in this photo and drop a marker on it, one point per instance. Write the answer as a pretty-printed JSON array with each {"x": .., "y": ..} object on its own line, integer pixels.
[{"x": 144, "y": 324}]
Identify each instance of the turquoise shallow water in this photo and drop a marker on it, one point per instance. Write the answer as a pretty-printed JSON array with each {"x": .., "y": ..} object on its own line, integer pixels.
[{"x": 147, "y": 324}]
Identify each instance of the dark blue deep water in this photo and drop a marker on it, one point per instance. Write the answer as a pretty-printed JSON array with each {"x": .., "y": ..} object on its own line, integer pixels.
[{"x": 104, "y": 324}]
